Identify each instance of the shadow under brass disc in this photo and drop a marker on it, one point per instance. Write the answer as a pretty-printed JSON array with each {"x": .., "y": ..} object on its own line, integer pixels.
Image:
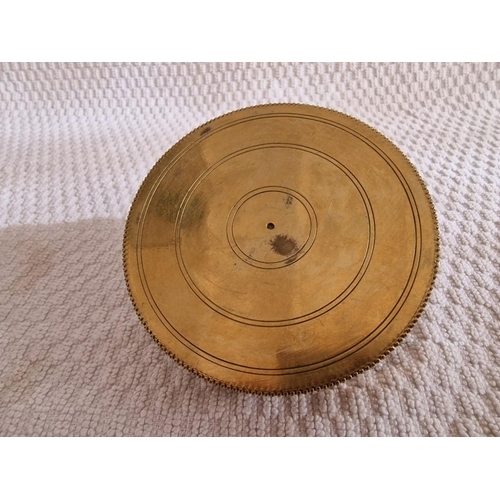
[{"x": 281, "y": 248}]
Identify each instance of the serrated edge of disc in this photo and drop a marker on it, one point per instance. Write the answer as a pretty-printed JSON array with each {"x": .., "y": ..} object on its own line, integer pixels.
[{"x": 343, "y": 378}]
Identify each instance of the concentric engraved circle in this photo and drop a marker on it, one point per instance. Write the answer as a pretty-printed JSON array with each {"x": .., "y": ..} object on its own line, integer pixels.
[
  {"x": 355, "y": 241},
  {"x": 291, "y": 219},
  {"x": 281, "y": 248}
]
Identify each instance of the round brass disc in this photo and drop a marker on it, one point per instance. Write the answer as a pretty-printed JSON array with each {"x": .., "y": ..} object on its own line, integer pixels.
[{"x": 281, "y": 248}]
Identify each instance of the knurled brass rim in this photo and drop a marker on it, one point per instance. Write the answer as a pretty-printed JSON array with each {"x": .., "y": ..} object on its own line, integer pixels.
[{"x": 241, "y": 386}]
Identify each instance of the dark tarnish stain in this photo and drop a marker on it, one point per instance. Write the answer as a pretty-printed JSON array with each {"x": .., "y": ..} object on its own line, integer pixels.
[
  {"x": 205, "y": 131},
  {"x": 283, "y": 244},
  {"x": 168, "y": 206},
  {"x": 288, "y": 201},
  {"x": 194, "y": 213}
]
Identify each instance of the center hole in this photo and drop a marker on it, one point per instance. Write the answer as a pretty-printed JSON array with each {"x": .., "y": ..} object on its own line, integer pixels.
[{"x": 270, "y": 225}]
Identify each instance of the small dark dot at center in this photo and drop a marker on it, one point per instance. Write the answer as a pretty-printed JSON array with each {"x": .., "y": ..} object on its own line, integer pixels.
[{"x": 270, "y": 225}]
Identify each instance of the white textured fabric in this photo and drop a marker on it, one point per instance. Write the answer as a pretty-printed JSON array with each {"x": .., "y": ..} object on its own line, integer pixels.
[{"x": 76, "y": 141}]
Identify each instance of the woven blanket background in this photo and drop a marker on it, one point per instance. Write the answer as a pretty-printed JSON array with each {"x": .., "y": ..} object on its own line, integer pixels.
[{"x": 76, "y": 141}]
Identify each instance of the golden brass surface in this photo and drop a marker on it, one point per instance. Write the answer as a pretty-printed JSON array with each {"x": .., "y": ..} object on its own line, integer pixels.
[{"x": 281, "y": 248}]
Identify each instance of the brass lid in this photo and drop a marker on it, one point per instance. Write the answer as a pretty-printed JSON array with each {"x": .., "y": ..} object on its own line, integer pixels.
[{"x": 281, "y": 248}]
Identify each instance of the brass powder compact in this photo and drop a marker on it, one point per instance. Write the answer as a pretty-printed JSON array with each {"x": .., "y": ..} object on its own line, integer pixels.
[{"x": 281, "y": 248}]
